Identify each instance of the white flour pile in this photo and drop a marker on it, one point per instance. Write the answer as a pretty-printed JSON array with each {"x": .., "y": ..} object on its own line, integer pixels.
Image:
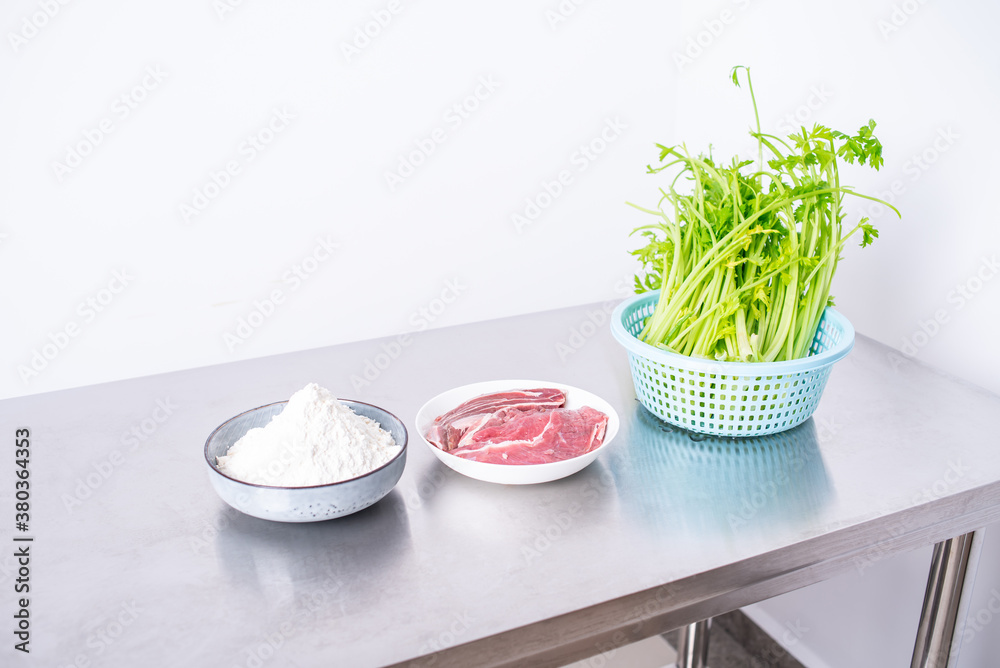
[{"x": 316, "y": 440}]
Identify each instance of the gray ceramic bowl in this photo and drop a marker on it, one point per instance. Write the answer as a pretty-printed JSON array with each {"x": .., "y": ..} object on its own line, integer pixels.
[{"x": 303, "y": 504}]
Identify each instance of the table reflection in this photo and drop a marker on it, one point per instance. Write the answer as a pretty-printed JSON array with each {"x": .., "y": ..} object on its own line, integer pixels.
[
  {"x": 315, "y": 563},
  {"x": 677, "y": 480}
]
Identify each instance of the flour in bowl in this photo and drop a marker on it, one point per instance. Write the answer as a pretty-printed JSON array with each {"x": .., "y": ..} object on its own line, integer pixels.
[{"x": 315, "y": 440}]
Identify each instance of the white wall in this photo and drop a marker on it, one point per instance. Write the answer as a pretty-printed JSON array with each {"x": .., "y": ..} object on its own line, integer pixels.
[
  {"x": 924, "y": 71},
  {"x": 550, "y": 88},
  {"x": 324, "y": 174}
]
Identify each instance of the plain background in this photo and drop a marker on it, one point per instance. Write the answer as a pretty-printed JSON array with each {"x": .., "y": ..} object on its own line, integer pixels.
[{"x": 441, "y": 245}]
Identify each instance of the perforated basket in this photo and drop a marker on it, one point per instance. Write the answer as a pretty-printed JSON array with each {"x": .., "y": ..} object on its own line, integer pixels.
[{"x": 728, "y": 398}]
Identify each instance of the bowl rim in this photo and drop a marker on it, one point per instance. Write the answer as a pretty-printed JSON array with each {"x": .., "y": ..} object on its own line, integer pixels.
[
  {"x": 613, "y": 417},
  {"x": 755, "y": 369},
  {"x": 215, "y": 468}
]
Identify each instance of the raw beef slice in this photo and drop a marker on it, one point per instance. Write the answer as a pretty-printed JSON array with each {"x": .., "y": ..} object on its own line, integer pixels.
[
  {"x": 513, "y": 436},
  {"x": 455, "y": 428}
]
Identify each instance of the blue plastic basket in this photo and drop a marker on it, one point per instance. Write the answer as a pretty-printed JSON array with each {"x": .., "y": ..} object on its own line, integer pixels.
[{"x": 728, "y": 398}]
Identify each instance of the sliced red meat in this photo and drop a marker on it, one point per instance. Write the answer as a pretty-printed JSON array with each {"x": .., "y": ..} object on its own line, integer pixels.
[
  {"x": 535, "y": 436},
  {"x": 451, "y": 429},
  {"x": 490, "y": 403}
]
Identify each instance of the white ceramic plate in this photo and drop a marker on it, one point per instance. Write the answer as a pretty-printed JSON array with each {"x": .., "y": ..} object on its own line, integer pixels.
[{"x": 514, "y": 474}]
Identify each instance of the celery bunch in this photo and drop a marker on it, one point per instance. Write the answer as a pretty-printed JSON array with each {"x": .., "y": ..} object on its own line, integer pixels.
[{"x": 745, "y": 257}]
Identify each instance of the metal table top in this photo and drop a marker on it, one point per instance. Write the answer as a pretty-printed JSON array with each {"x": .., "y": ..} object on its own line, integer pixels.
[{"x": 137, "y": 562}]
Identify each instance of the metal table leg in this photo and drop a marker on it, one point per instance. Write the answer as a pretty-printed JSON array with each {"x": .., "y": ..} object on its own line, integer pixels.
[
  {"x": 946, "y": 601},
  {"x": 692, "y": 648}
]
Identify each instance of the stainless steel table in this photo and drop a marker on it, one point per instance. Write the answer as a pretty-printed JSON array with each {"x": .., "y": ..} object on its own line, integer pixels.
[{"x": 136, "y": 562}]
